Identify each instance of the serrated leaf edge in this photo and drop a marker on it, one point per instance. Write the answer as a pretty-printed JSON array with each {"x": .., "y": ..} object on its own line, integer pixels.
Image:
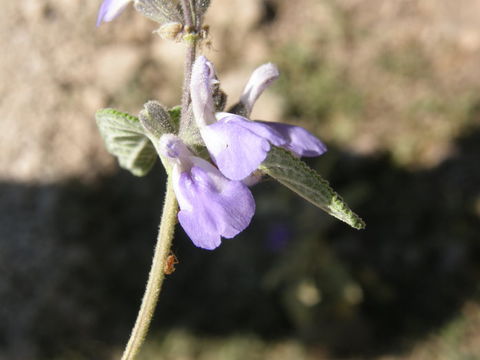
[{"x": 334, "y": 204}]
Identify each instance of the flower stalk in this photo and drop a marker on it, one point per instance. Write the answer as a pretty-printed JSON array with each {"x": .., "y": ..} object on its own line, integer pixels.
[
  {"x": 187, "y": 13},
  {"x": 189, "y": 60},
  {"x": 191, "y": 42},
  {"x": 156, "y": 276},
  {"x": 169, "y": 215}
]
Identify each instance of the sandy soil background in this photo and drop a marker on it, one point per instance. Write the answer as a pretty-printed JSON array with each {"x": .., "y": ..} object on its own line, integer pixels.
[{"x": 393, "y": 89}]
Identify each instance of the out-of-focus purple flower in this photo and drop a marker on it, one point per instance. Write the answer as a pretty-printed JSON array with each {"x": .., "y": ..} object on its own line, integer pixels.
[
  {"x": 236, "y": 144},
  {"x": 110, "y": 9},
  {"x": 278, "y": 236},
  {"x": 211, "y": 206}
]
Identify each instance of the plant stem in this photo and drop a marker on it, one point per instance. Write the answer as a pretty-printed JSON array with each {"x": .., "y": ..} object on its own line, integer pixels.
[
  {"x": 187, "y": 12},
  {"x": 156, "y": 276},
  {"x": 167, "y": 224},
  {"x": 189, "y": 60}
]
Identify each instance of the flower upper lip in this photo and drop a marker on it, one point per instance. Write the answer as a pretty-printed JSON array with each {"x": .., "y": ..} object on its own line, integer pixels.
[{"x": 260, "y": 79}]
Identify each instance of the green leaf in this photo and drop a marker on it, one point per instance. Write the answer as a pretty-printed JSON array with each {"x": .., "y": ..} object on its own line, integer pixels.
[
  {"x": 297, "y": 176},
  {"x": 175, "y": 113},
  {"x": 160, "y": 11},
  {"x": 201, "y": 7},
  {"x": 124, "y": 138}
]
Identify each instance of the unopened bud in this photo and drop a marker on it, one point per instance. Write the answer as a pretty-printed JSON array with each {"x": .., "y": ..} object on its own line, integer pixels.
[
  {"x": 170, "y": 31},
  {"x": 155, "y": 119}
]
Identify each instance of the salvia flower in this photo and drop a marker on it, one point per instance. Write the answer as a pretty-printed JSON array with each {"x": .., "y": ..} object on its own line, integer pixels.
[
  {"x": 236, "y": 144},
  {"x": 211, "y": 206},
  {"x": 110, "y": 9}
]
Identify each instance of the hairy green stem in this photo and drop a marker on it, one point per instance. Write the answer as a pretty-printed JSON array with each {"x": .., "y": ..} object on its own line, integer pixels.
[
  {"x": 189, "y": 60},
  {"x": 187, "y": 12},
  {"x": 167, "y": 224},
  {"x": 156, "y": 276},
  {"x": 190, "y": 54}
]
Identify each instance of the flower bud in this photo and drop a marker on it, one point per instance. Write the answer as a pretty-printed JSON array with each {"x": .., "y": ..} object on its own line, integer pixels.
[
  {"x": 170, "y": 31},
  {"x": 155, "y": 119}
]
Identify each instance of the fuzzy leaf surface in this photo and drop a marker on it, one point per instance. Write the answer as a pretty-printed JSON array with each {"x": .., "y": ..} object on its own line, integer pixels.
[
  {"x": 161, "y": 11},
  {"x": 201, "y": 6},
  {"x": 124, "y": 137},
  {"x": 300, "y": 178}
]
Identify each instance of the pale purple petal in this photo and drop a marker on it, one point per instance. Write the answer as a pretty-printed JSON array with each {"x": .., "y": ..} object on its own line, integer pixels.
[
  {"x": 238, "y": 146},
  {"x": 201, "y": 89},
  {"x": 236, "y": 151},
  {"x": 299, "y": 141},
  {"x": 257, "y": 127},
  {"x": 260, "y": 79},
  {"x": 209, "y": 213},
  {"x": 110, "y": 9},
  {"x": 200, "y": 228}
]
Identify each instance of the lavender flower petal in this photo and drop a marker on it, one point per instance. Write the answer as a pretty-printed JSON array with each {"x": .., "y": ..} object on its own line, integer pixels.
[
  {"x": 201, "y": 90},
  {"x": 260, "y": 79},
  {"x": 299, "y": 141},
  {"x": 110, "y": 9},
  {"x": 208, "y": 211},
  {"x": 257, "y": 127},
  {"x": 238, "y": 146},
  {"x": 236, "y": 151}
]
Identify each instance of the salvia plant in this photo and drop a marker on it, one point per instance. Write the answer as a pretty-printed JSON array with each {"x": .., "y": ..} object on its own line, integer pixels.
[{"x": 212, "y": 156}]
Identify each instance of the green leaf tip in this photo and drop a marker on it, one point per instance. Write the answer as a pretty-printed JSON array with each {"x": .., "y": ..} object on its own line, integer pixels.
[
  {"x": 124, "y": 138},
  {"x": 300, "y": 178}
]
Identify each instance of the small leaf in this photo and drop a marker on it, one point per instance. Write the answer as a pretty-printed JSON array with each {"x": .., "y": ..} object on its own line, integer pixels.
[
  {"x": 298, "y": 177},
  {"x": 201, "y": 7},
  {"x": 161, "y": 11},
  {"x": 124, "y": 138},
  {"x": 175, "y": 113}
]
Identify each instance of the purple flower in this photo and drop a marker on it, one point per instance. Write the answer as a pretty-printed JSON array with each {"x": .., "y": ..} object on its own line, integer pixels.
[
  {"x": 260, "y": 79},
  {"x": 110, "y": 9},
  {"x": 211, "y": 206},
  {"x": 236, "y": 144},
  {"x": 278, "y": 236}
]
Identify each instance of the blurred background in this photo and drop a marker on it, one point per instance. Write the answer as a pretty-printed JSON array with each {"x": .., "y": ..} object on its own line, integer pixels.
[{"x": 392, "y": 87}]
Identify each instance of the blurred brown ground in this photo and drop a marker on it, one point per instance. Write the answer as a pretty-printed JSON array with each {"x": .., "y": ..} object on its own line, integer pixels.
[{"x": 397, "y": 77}]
